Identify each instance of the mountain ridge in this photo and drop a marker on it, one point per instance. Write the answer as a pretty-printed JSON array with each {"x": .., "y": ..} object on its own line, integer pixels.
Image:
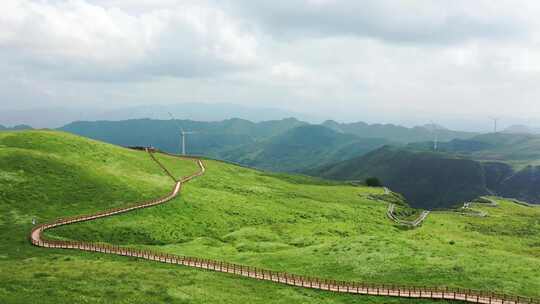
[{"x": 254, "y": 143}]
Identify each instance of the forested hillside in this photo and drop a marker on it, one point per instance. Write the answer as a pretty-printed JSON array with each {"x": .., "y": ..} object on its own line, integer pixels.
[{"x": 438, "y": 179}]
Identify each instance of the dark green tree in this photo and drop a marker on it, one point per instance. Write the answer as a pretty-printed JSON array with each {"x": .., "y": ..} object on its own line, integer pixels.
[{"x": 373, "y": 182}]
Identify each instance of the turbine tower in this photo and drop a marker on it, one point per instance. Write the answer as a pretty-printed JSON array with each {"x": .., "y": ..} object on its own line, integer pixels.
[
  {"x": 182, "y": 134},
  {"x": 495, "y": 122},
  {"x": 436, "y": 136}
]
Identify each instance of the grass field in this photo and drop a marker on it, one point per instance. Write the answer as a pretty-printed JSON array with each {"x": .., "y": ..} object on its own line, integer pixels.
[{"x": 279, "y": 222}]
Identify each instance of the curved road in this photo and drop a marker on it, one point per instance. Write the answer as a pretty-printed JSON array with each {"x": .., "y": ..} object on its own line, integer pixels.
[{"x": 465, "y": 295}]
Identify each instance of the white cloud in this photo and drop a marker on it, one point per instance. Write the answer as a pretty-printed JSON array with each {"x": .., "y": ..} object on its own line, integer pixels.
[
  {"x": 411, "y": 21},
  {"x": 77, "y": 35}
]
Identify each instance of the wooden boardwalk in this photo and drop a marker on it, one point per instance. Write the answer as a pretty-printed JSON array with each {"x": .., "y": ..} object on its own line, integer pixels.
[
  {"x": 465, "y": 295},
  {"x": 415, "y": 223}
]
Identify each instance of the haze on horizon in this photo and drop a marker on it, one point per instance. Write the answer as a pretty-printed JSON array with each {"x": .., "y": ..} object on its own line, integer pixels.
[{"x": 457, "y": 62}]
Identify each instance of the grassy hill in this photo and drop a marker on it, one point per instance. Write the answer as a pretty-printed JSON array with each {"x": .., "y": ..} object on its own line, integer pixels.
[{"x": 281, "y": 222}]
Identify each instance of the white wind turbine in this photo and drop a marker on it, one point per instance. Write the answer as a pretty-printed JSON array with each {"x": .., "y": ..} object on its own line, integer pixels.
[
  {"x": 182, "y": 134},
  {"x": 495, "y": 122},
  {"x": 434, "y": 128}
]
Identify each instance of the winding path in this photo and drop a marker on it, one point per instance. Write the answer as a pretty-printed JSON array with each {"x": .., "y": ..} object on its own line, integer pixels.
[
  {"x": 415, "y": 223},
  {"x": 465, "y": 295}
]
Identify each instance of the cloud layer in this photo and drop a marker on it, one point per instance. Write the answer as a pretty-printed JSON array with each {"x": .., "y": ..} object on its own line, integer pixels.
[
  {"x": 371, "y": 60},
  {"x": 86, "y": 40}
]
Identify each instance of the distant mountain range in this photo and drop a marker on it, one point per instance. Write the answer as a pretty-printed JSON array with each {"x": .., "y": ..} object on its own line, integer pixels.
[
  {"x": 59, "y": 116},
  {"x": 521, "y": 129},
  {"x": 15, "y": 128},
  {"x": 278, "y": 145},
  {"x": 397, "y": 133},
  {"x": 518, "y": 150},
  {"x": 209, "y": 139}
]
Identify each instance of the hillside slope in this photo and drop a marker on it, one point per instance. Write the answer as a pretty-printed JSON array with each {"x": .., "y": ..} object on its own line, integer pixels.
[{"x": 280, "y": 222}]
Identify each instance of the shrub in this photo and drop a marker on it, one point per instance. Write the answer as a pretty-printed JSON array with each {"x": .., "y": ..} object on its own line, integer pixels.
[{"x": 373, "y": 182}]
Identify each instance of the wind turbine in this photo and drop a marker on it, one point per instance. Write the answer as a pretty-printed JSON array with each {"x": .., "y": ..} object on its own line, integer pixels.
[
  {"x": 495, "y": 122},
  {"x": 182, "y": 134},
  {"x": 436, "y": 136}
]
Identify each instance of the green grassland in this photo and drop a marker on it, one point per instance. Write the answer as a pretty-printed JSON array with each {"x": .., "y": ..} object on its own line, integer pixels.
[{"x": 279, "y": 222}]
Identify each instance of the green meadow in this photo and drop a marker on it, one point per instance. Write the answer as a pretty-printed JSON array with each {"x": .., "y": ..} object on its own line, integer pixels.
[{"x": 280, "y": 222}]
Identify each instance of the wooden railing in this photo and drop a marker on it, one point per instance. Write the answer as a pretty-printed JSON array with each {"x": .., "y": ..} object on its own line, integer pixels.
[{"x": 466, "y": 295}]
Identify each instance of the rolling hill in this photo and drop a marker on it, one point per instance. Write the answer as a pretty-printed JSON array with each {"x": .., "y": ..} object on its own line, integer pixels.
[{"x": 280, "y": 222}]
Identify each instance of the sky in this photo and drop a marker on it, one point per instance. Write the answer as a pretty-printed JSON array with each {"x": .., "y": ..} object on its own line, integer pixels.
[{"x": 404, "y": 61}]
